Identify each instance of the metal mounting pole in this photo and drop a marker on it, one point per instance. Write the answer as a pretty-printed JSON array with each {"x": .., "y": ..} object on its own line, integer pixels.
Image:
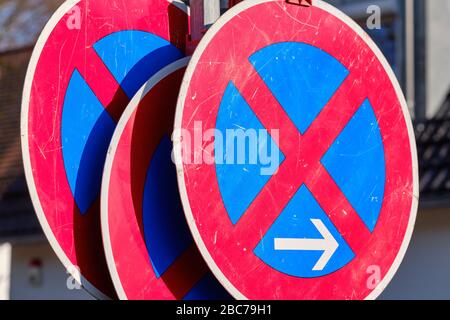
[
  {"x": 203, "y": 13},
  {"x": 212, "y": 12},
  {"x": 420, "y": 59},
  {"x": 197, "y": 20}
]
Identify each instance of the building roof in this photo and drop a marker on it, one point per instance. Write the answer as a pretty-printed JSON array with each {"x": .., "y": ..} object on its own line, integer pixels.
[
  {"x": 17, "y": 218},
  {"x": 433, "y": 147}
]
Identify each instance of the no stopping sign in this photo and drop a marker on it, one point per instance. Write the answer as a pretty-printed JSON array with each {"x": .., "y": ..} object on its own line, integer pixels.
[
  {"x": 296, "y": 156},
  {"x": 90, "y": 60}
]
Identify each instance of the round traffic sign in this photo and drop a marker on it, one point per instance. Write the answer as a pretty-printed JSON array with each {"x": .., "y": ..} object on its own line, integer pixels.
[
  {"x": 296, "y": 156},
  {"x": 90, "y": 60},
  {"x": 150, "y": 252}
]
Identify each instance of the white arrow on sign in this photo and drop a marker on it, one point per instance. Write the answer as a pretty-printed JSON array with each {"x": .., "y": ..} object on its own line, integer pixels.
[{"x": 328, "y": 245}]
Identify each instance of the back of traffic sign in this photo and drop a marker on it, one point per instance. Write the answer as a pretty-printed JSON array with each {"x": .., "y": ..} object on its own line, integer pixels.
[{"x": 296, "y": 156}]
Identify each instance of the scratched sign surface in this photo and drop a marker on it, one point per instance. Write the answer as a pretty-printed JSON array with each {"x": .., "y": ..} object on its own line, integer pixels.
[
  {"x": 325, "y": 206},
  {"x": 90, "y": 60},
  {"x": 150, "y": 251}
]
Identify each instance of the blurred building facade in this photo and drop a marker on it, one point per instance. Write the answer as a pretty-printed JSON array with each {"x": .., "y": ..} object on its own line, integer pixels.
[{"x": 413, "y": 37}]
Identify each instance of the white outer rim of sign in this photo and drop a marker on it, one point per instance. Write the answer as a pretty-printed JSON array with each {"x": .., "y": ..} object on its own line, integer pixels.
[
  {"x": 177, "y": 145},
  {"x": 45, "y": 34},
  {"x": 123, "y": 122}
]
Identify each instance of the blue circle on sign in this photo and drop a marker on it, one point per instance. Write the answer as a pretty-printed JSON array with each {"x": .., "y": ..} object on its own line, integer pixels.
[{"x": 303, "y": 241}]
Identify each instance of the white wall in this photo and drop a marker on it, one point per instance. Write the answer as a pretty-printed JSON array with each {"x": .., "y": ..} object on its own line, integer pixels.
[
  {"x": 5, "y": 270},
  {"x": 438, "y": 72},
  {"x": 425, "y": 271},
  {"x": 54, "y": 276}
]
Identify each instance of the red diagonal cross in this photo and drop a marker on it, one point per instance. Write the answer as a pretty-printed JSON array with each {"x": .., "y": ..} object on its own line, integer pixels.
[
  {"x": 103, "y": 84},
  {"x": 303, "y": 155}
]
